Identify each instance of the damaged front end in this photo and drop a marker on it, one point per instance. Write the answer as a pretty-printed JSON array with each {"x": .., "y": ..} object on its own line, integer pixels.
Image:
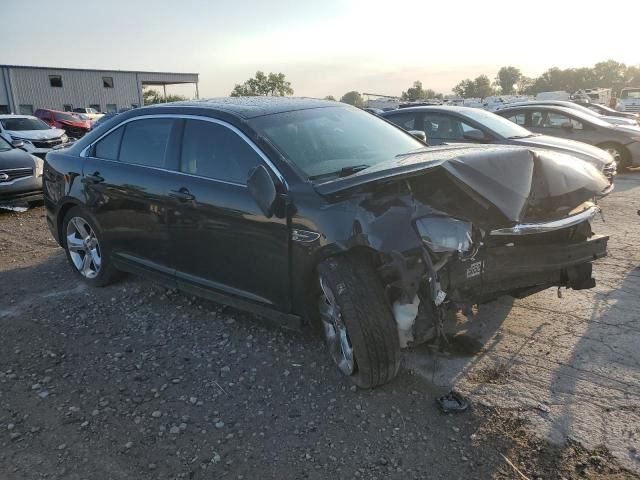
[{"x": 490, "y": 222}]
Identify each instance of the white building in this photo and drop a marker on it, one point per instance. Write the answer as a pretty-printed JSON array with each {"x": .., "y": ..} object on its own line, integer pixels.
[{"x": 24, "y": 89}]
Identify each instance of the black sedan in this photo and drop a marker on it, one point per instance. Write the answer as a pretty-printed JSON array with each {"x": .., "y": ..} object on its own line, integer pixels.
[
  {"x": 301, "y": 209},
  {"x": 444, "y": 124}
]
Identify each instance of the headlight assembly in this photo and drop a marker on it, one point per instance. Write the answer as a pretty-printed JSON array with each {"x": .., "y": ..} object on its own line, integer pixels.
[{"x": 445, "y": 234}]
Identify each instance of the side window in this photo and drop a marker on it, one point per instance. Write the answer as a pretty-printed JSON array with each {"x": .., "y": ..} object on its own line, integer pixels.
[
  {"x": 214, "y": 151},
  {"x": 518, "y": 118},
  {"x": 109, "y": 146},
  {"x": 144, "y": 142},
  {"x": 404, "y": 120},
  {"x": 443, "y": 126},
  {"x": 558, "y": 120},
  {"x": 536, "y": 119}
]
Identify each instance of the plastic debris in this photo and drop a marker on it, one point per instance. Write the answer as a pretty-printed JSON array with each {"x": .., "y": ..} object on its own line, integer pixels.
[{"x": 452, "y": 402}]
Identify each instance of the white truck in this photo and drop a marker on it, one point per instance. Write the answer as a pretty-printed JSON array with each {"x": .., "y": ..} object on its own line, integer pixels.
[{"x": 629, "y": 100}]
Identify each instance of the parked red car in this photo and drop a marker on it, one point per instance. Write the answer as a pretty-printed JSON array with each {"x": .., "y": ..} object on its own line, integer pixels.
[{"x": 74, "y": 126}]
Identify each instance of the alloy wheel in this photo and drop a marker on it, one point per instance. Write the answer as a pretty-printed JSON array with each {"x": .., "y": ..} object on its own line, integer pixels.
[
  {"x": 335, "y": 331},
  {"x": 83, "y": 247},
  {"x": 615, "y": 153}
]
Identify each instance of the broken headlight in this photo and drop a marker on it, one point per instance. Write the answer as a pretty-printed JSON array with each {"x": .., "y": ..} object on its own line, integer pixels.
[{"x": 445, "y": 234}]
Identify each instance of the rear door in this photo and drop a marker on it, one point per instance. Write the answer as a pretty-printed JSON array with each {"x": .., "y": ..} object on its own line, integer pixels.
[
  {"x": 221, "y": 239},
  {"x": 127, "y": 177}
]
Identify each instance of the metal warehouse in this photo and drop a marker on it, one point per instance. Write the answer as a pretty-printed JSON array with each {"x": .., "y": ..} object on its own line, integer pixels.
[{"x": 24, "y": 89}]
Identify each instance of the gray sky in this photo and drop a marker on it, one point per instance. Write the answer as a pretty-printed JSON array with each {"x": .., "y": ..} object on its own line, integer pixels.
[{"x": 324, "y": 48}]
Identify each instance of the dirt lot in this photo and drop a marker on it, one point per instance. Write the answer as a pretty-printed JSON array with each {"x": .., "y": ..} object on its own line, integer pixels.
[{"x": 137, "y": 381}]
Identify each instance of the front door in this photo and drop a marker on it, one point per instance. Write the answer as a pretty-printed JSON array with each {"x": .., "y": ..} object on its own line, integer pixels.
[
  {"x": 126, "y": 183},
  {"x": 221, "y": 239},
  {"x": 559, "y": 124}
]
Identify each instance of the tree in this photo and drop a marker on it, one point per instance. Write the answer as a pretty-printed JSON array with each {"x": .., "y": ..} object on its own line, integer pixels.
[
  {"x": 353, "y": 98},
  {"x": 480, "y": 87},
  {"x": 330, "y": 97},
  {"x": 508, "y": 78},
  {"x": 274, "y": 84},
  {"x": 416, "y": 92},
  {"x": 483, "y": 87},
  {"x": 152, "y": 97}
]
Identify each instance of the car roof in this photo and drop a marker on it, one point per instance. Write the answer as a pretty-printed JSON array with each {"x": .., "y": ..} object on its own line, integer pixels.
[
  {"x": 440, "y": 108},
  {"x": 538, "y": 106},
  {"x": 51, "y": 110},
  {"x": 250, "y": 107},
  {"x": 11, "y": 115}
]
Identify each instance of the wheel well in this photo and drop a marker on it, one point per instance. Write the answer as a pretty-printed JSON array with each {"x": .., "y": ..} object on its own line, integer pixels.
[
  {"x": 64, "y": 209},
  {"x": 623, "y": 150}
]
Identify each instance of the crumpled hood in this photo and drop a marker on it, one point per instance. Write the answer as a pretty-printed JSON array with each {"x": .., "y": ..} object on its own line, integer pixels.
[
  {"x": 37, "y": 134},
  {"x": 488, "y": 185},
  {"x": 594, "y": 155}
]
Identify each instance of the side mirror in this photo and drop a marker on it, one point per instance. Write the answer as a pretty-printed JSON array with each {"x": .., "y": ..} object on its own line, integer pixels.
[
  {"x": 419, "y": 134},
  {"x": 262, "y": 189},
  {"x": 17, "y": 144},
  {"x": 566, "y": 126},
  {"x": 475, "y": 136}
]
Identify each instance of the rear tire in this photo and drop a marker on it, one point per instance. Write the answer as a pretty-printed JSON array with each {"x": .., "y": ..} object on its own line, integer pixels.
[
  {"x": 86, "y": 251},
  {"x": 618, "y": 152},
  {"x": 353, "y": 304}
]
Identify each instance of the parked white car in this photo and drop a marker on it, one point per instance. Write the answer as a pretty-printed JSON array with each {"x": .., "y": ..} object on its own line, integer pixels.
[
  {"x": 89, "y": 112},
  {"x": 38, "y": 137}
]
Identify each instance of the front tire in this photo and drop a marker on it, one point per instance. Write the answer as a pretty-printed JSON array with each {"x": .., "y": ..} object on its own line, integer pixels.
[
  {"x": 86, "y": 252},
  {"x": 360, "y": 329},
  {"x": 619, "y": 153}
]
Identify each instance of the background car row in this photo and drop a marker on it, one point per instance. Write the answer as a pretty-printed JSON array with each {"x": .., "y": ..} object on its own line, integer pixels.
[{"x": 560, "y": 126}]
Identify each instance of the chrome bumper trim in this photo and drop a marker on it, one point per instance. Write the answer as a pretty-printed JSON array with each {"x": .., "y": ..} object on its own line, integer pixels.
[{"x": 532, "y": 228}]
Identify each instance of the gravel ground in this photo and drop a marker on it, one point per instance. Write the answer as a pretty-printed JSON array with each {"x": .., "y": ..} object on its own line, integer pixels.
[{"x": 139, "y": 381}]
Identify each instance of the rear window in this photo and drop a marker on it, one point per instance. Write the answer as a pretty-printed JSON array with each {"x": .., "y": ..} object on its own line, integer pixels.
[
  {"x": 109, "y": 146},
  {"x": 144, "y": 142}
]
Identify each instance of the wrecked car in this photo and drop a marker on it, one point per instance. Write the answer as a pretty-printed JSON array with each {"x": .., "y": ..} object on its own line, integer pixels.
[{"x": 304, "y": 210}]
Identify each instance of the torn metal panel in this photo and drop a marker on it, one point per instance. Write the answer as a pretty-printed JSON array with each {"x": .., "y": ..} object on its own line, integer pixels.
[{"x": 506, "y": 185}]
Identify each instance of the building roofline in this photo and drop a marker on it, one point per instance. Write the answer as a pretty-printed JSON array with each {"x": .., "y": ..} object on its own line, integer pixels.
[{"x": 98, "y": 70}]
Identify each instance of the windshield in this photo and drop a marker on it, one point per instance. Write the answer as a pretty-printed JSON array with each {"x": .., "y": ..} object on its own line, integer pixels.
[
  {"x": 635, "y": 94},
  {"x": 497, "y": 124},
  {"x": 21, "y": 124},
  {"x": 66, "y": 116},
  {"x": 334, "y": 141},
  {"x": 4, "y": 145}
]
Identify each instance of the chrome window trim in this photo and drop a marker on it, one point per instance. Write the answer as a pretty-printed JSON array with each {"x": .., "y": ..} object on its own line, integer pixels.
[
  {"x": 160, "y": 169},
  {"x": 85, "y": 151},
  {"x": 532, "y": 228}
]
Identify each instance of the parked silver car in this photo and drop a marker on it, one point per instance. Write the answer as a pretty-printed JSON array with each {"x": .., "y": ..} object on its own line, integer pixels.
[
  {"x": 20, "y": 175},
  {"x": 612, "y": 119},
  {"x": 444, "y": 124},
  {"x": 38, "y": 137},
  {"x": 623, "y": 143}
]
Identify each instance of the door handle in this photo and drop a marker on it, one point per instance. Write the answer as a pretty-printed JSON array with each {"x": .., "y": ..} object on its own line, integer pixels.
[
  {"x": 92, "y": 179},
  {"x": 182, "y": 195}
]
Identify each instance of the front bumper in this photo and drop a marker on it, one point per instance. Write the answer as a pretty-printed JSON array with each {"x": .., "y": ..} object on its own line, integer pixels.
[
  {"x": 523, "y": 270},
  {"x": 20, "y": 198}
]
